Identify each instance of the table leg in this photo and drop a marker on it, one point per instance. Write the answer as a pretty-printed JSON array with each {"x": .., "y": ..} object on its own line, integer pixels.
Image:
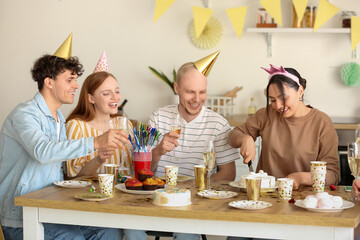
[{"x": 33, "y": 228}]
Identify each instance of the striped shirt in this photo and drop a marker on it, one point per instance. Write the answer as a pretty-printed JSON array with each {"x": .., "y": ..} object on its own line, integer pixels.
[
  {"x": 76, "y": 129},
  {"x": 208, "y": 125}
]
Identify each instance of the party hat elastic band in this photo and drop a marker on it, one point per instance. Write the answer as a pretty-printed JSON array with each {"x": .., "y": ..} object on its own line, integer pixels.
[
  {"x": 102, "y": 65},
  {"x": 281, "y": 71},
  {"x": 64, "y": 51},
  {"x": 205, "y": 64}
]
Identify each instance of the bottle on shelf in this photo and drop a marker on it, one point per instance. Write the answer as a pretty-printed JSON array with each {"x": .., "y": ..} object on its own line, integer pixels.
[
  {"x": 252, "y": 107},
  {"x": 121, "y": 108}
]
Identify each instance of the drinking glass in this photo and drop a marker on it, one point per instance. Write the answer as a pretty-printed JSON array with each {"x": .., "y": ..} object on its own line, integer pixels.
[
  {"x": 176, "y": 124},
  {"x": 354, "y": 159},
  {"x": 176, "y": 127},
  {"x": 209, "y": 159},
  {"x": 120, "y": 123}
]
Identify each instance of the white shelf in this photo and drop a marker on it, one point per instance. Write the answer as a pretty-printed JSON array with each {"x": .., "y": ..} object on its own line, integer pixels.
[
  {"x": 298, "y": 30},
  {"x": 269, "y": 31}
]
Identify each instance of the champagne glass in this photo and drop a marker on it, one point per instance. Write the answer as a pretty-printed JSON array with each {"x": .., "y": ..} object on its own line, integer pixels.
[
  {"x": 176, "y": 127},
  {"x": 209, "y": 159},
  {"x": 120, "y": 123},
  {"x": 354, "y": 159},
  {"x": 176, "y": 124}
]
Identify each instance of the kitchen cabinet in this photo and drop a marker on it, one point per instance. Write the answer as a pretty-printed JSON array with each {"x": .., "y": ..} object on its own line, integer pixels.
[{"x": 268, "y": 32}]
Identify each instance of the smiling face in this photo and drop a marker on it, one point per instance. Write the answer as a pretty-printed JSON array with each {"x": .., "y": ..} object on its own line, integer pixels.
[
  {"x": 106, "y": 97},
  {"x": 192, "y": 93},
  {"x": 291, "y": 107},
  {"x": 64, "y": 87}
]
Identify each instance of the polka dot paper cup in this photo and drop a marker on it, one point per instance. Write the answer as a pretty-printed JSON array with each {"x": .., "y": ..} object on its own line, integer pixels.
[
  {"x": 171, "y": 173},
  {"x": 285, "y": 186},
  {"x": 106, "y": 183},
  {"x": 318, "y": 174}
]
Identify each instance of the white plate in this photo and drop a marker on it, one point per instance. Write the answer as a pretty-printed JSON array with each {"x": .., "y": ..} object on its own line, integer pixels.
[
  {"x": 243, "y": 189},
  {"x": 250, "y": 205},
  {"x": 213, "y": 194},
  {"x": 346, "y": 204},
  {"x": 122, "y": 188},
  {"x": 93, "y": 197},
  {"x": 72, "y": 184}
]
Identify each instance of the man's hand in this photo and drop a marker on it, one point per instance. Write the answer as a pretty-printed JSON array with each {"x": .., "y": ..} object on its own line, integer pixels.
[
  {"x": 111, "y": 139},
  {"x": 168, "y": 143}
]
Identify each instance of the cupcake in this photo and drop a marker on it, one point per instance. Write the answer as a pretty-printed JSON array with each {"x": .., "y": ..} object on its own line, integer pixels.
[
  {"x": 160, "y": 183},
  {"x": 144, "y": 174},
  {"x": 133, "y": 184},
  {"x": 150, "y": 184}
]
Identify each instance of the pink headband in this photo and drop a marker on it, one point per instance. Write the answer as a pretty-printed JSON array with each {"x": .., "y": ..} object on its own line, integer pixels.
[{"x": 281, "y": 71}]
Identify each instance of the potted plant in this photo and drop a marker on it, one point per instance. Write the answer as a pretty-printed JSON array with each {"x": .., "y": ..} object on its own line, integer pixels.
[{"x": 163, "y": 77}]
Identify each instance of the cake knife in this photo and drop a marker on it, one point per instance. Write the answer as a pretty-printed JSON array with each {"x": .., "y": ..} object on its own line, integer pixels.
[{"x": 250, "y": 166}]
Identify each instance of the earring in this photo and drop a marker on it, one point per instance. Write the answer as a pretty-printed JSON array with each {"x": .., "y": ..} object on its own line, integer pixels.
[{"x": 300, "y": 98}]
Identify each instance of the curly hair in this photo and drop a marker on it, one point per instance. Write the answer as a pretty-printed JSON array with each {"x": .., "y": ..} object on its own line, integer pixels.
[{"x": 51, "y": 66}]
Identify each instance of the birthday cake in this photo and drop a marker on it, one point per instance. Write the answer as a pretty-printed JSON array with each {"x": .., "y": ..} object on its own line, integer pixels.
[
  {"x": 172, "y": 197},
  {"x": 266, "y": 180}
]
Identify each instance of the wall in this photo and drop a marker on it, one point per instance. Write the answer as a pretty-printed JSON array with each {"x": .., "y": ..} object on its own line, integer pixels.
[{"x": 125, "y": 30}]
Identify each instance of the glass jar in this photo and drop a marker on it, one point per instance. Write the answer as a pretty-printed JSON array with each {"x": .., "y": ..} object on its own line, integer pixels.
[
  {"x": 346, "y": 18},
  {"x": 309, "y": 16},
  {"x": 261, "y": 16},
  {"x": 296, "y": 22}
]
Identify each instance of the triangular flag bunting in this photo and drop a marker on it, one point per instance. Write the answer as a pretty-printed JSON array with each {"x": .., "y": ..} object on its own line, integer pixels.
[
  {"x": 201, "y": 18},
  {"x": 325, "y": 11},
  {"x": 300, "y": 6},
  {"x": 237, "y": 18},
  {"x": 160, "y": 7},
  {"x": 274, "y": 9},
  {"x": 355, "y": 32}
]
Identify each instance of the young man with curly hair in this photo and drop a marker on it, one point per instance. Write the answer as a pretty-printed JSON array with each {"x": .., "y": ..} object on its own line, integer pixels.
[{"x": 33, "y": 146}]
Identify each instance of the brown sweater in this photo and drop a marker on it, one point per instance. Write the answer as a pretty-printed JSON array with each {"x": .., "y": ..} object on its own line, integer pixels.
[{"x": 290, "y": 144}]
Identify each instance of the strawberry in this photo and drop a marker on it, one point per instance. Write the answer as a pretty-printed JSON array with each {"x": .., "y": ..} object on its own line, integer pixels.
[{"x": 292, "y": 200}]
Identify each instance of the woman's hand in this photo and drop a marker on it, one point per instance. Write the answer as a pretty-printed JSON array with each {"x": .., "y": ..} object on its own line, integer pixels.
[
  {"x": 105, "y": 153},
  {"x": 248, "y": 149},
  {"x": 355, "y": 191},
  {"x": 300, "y": 178}
]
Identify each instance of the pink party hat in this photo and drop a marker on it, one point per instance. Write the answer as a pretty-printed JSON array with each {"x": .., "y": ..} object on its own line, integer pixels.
[
  {"x": 102, "y": 64},
  {"x": 281, "y": 71}
]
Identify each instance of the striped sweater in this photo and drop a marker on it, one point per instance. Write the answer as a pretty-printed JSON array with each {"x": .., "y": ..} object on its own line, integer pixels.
[
  {"x": 208, "y": 125},
  {"x": 76, "y": 129}
]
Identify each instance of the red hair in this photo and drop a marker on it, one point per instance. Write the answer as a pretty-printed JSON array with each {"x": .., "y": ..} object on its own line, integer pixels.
[{"x": 84, "y": 110}]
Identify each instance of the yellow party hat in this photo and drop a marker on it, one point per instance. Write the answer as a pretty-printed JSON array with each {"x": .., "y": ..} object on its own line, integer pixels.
[
  {"x": 64, "y": 51},
  {"x": 205, "y": 64}
]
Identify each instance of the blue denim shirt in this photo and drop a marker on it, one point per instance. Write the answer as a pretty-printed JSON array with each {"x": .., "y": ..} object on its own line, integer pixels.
[{"x": 31, "y": 154}]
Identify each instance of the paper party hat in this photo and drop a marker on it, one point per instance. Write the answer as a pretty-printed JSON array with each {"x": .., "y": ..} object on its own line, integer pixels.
[
  {"x": 64, "y": 51},
  {"x": 205, "y": 64},
  {"x": 102, "y": 64}
]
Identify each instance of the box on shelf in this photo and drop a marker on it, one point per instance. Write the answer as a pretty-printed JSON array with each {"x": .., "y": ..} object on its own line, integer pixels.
[{"x": 220, "y": 104}]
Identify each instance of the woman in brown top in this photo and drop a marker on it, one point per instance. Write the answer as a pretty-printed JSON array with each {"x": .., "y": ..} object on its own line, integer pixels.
[{"x": 293, "y": 134}]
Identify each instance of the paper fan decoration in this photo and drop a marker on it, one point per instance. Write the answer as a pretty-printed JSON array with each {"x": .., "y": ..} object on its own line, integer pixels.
[{"x": 211, "y": 35}]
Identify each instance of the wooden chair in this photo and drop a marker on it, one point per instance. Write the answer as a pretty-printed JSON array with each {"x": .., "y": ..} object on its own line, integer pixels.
[
  {"x": 1, "y": 234},
  {"x": 157, "y": 234}
]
